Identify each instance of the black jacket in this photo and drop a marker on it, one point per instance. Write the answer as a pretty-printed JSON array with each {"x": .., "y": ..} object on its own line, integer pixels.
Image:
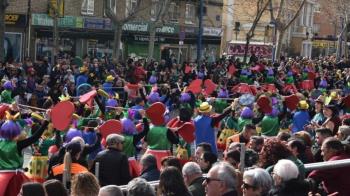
[
  {"x": 114, "y": 167},
  {"x": 293, "y": 187},
  {"x": 150, "y": 174}
]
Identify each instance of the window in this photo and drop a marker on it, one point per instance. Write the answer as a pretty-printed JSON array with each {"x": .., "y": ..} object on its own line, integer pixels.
[
  {"x": 316, "y": 28},
  {"x": 190, "y": 14},
  {"x": 111, "y": 4},
  {"x": 131, "y": 5},
  {"x": 173, "y": 12},
  {"x": 87, "y": 7},
  {"x": 156, "y": 6}
]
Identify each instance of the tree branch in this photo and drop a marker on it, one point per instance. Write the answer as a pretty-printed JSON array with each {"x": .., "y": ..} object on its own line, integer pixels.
[{"x": 296, "y": 15}]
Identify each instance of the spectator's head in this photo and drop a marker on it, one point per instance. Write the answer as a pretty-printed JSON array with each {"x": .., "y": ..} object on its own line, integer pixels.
[
  {"x": 297, "y": 147},
  {"x": 139, "y": 186},
  {"x": 171, "y": 161},
  {"x": 256, "y": 182},
  {"x": 273, "y": 151},
  {"x": 171, "y": 182},
  {"x": 330, "y": 111},
  {"x": 31, "y": 189},
  {"x": 234, "y": 146},
  {"x": 305, "y": 137},
  {"x": 190, "y": 172},
  {"x": 139, "y": 101},
  {"x": 148, "y": 161},
  {"x": 346, "y": 121},
  {"x": 331, "y": 147},
  {"x": 343, "y": 132},
  {"x": 248, "y": 131},
  {"x": 233, "y": 157},
  {"x": 85, "y": 184},
  {"x": 220, "y": 179},
  {"x": 207, "y": 160},
  {"x": 284, "y": 171},
  {"x": 283, "y": 136},
  {"x": 55, "y": 188},
  {"x": 115, "y": 141},
  {"x": 201, "y": 148},
  {"x": 110, "y": 190},
  {"x": 256, "y": 143},
  {"x": 322, "y": 134}
]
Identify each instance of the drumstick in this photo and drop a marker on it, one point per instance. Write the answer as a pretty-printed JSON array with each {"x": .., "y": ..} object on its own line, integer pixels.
[{"x": 32, "y": 107}]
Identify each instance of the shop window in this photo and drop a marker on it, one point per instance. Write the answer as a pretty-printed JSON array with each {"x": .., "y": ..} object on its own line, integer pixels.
[
  {"x": 131, "y": 5},
  {"x": 87, "y": 7},
  {"x": 111, "y": 4},
  {"x": 190, "y": 14},
  {"x": 173, "y": 12},
  {"x": 156, "y": 7}
]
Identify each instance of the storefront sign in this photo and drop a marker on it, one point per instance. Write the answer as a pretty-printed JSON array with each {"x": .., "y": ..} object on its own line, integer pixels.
[
  {"x": 67, "y": 21},
  {"x": 168, "y": 29},
  {"x": 137, "y": 27},
  {"x": 258, "y": 50},
  {"x": 15, "y": 19},
  {"x": 97, "y": 23},
  {"x": 190, "y": 30},
  {"x": 212, "y": 31},
  {"x": 146, "y": 38}
]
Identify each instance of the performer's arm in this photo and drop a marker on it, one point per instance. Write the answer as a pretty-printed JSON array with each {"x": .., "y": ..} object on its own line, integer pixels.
[
  {"x": 31, "y": 140},
  {"x": 217, "y": 119},
  {"x": 172, "y": 137},
  {"x": 139, "y": 136}
]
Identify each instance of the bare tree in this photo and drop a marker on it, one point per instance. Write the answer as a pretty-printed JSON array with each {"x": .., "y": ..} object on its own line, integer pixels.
[
  {"x": 338, "y": 10},
  {"x": 3, "y": 6},
  {"x": 282, "y": 20},
  {"x": 55, "y": 9},
  {"x": 158, "y": 13},
  {"x": 119, "y": 19},
  {"x": 261, "y": 6}
]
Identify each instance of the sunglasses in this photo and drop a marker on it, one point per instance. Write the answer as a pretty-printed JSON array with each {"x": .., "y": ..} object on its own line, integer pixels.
[
  {"x": 208, "y": 179},
  {"x": 247, "y": 186}
]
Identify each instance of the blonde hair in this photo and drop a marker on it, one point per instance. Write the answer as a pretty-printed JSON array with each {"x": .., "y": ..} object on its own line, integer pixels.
[{"x": 85, "y": 184}]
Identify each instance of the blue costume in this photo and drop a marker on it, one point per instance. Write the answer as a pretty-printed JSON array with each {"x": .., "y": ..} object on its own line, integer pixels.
[
  {"x": 204, "y": 131},
  {"x": 300, "y": 119}
]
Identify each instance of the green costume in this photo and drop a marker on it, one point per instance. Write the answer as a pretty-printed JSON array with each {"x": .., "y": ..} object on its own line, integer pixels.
[
  {"x": 10, "y": 158},
  {"x": 270, "y": 79},
  {"x": 269, "y": 126},
  {"x": 128, "y": 146},
  {"x": 6, "y": 97},
  {"x": 242, "y": 122},
  {"x": 157, "y": 138},
  {"x": 220, "y": 105},
  {"x": 290, "y": 80}
]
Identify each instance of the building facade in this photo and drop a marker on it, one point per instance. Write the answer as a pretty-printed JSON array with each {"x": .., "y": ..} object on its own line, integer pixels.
[
  {"x": 85, "y": 29},
  {"x": 239, "y": 16}
]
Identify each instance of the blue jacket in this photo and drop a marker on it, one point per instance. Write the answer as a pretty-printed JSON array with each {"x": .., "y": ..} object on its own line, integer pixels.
[{"x": 151, "y": 174}]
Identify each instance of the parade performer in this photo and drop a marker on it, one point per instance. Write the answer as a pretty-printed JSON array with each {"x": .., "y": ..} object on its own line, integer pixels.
[
  {"x": 301, "y": 117},
  {"x": 108, "y": 85},
  {"x": 159, "y": 138},
  {"x": 270, "y": 124},
  {"x": 11, "y": 162},
  {"x": 246, "y": 117},
  {"x": 6, "y": 94},
  {"x": 270, "y": 79},
  {"x": 132, "y": 138},
  {"x": 205, "y": 123},
  {"x": 229, "y": 127}
]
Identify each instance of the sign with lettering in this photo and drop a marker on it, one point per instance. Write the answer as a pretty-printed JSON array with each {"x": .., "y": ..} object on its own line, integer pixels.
[
  {"x": 67, "y": 21},
  {"x": 238, "y": 49},
  {"x": 137, "y": 27},
  {"x": 212, "y": 31},
  {"x": 146, "y": 38},
  {"x": 15, "y": 20}
]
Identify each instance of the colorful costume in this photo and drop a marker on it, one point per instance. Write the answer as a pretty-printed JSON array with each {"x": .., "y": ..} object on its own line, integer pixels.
[{"x": 11, "y": 175}]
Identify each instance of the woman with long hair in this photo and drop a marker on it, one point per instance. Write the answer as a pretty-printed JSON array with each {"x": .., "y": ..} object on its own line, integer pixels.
[
  {"x": 85, "y": 184},
  {"x": 171, "y": 183}
]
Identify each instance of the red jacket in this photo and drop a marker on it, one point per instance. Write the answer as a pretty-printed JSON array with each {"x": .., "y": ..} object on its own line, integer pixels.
[
  {"x": 334, "y": 180},
  {"x": 139, "y": 74}
]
